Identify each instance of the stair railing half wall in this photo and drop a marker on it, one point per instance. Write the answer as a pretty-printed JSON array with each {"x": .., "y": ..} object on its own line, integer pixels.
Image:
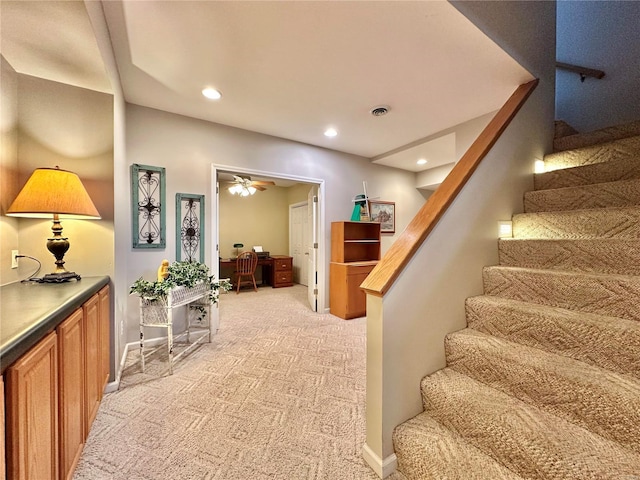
[{"x": 402, "y": 250}]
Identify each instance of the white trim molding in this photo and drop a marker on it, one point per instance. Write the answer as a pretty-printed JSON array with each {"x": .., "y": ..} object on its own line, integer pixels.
[{"x": 383, "y": 468}]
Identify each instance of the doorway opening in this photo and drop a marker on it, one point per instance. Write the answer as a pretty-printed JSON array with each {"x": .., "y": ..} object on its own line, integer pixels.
[{"x": 272, "y": 227}]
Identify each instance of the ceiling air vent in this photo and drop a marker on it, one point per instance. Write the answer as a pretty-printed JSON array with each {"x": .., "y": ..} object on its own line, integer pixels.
[{"x": 379, "y": 111}]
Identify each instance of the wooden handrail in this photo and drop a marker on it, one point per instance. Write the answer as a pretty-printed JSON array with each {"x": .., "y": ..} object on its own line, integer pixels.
[
  {"x": 393, "y": 262},
  {"x": 584, "y": 72}
]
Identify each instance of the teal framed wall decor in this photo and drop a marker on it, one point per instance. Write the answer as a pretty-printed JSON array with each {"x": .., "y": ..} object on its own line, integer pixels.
[
  {"x": 189, "y": 227},
  {"x": 148, "y": 206}
]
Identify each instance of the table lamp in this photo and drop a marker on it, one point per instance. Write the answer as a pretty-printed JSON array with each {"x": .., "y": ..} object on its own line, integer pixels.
[
  {"x": 58, "y": 193},
  {"x": 237, "y": 246}
]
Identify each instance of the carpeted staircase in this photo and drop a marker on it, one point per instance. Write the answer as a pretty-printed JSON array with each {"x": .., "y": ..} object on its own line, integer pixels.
[{"x": 545, "y": 381}]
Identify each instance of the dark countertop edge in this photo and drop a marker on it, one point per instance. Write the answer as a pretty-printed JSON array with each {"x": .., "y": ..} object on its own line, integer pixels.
[{"x": 48, "y": 324}]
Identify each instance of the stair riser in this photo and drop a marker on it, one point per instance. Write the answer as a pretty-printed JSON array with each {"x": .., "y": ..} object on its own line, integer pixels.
[
  {"x": 603, "y": 195},
  {"x": 613, "y": 256},
  {"x": 425, "y": 448},
  {"x": 527, "y": 440},
  {"x": 615, "y": 296},
  {"x": 590, "y": 397},
  {"x": 621, "y": 222},
  {"x": 624, "y": 169},
  {"x": 605, "y": 342},
  {"x": 609, "y": 134},
  {"x": 623, "y": 148}
]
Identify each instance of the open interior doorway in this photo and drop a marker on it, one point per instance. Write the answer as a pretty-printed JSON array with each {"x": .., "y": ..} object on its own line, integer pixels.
[{"x": 261, "y": 220}]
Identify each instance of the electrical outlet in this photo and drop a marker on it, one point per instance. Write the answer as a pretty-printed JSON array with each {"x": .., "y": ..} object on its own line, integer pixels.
[{"x": 14, "y": 258}]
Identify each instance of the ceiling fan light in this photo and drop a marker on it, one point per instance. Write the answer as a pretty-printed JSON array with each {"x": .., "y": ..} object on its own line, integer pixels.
[
  {"x": 252, "y": 190},
  {"x": 235, "y": 189}
]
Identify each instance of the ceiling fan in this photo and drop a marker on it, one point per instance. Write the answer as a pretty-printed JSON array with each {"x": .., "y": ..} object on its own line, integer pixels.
[{"x": 244, "y": 186}]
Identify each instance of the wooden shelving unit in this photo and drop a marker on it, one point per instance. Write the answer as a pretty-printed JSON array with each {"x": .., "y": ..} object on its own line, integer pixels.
[{"x": 355, "y": 250}]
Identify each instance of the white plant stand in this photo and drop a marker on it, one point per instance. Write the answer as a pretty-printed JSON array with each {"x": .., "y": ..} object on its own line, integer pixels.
[{"x": 158, "y": 313}]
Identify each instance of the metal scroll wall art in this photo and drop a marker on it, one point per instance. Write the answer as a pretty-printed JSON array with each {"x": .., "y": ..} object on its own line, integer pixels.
[
  {"x": 148, "y": 200},
  {"x": 189, "y": 227}
]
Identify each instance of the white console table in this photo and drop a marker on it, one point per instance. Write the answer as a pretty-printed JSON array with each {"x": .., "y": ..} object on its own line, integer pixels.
[{"x": 159, "y": 313}]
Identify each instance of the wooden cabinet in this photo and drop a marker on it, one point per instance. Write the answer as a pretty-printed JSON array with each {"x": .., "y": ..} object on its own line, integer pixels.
[
  {"x": 355, "y": 241},
  {"x": 32, "y": 413},
  {"x": 93, "y": 364},
  {"x": 347, "y": 299},
  {"x": 282, "y": 271},
  {"x": 355, "y": 250},
  {"x": 53, "y": 392},
  {"x": 71, "y": 364},
  {"x": 3, "y": 464},
  {"x": 105, "y": 335}
]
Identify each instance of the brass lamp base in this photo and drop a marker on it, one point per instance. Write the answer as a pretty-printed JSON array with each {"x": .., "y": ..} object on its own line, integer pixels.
[
  {"x": 59, "y": 277},
  {"x": 58, "y": 246}
]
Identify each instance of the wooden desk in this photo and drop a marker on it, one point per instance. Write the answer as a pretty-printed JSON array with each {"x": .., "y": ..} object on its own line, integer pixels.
[
  {"x": 276, "y": 270},
  {"x": 265, "y": 264}
]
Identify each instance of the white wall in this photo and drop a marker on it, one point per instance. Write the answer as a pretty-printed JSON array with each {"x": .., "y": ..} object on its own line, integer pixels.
[
  {"x": 70, "y": 127},
  {"x": 601, "y": 35},
  {"x": 260, "y": 219},
  {"x": 406, "y": 328},
  {"x": 9, "y": 183},
  {"x": 188, "y": 147},
  {"x": 58, "y": 125},
  {"x": 465, "y": 133}
]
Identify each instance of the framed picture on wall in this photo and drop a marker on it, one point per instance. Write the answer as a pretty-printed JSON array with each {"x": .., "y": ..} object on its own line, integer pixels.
[
  {"x": 148, "y": 206},
  {"x": 189, "y": 227},
  {"x": 385, "y": 213}
]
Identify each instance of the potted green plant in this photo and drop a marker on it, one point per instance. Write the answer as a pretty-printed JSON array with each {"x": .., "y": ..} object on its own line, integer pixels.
[{"x": 181, "y": 276}]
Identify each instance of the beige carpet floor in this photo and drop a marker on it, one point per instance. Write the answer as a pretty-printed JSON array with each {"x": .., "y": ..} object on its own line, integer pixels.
[{"x": 278, "y": 394}]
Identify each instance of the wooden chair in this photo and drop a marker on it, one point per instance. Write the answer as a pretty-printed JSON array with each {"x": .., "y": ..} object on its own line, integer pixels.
[{"x": 245, "y": 267}]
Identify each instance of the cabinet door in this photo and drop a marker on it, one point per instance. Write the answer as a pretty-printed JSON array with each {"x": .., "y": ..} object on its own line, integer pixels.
[
  {"x": 105, "y": 335},
  {"x": 71, "y": 373},
  {"x": 356, "y": 298},
  {"x": 3, "y": 467},
  {"x": 32, "y": 413},
  {"x": 93, "y": 365}
]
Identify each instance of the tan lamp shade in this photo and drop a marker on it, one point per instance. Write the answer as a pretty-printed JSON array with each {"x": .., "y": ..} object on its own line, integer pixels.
[{"x": 53, "y": 191}]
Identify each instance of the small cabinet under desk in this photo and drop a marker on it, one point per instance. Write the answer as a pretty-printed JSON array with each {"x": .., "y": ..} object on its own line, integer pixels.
[{"x": 282, "y": 271}]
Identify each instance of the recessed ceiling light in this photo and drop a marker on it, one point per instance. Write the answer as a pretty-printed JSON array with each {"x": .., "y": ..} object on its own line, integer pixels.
[
  {"x": 211, "y": 93},
  {"x": 330, "y": 132},
  {"x": 422, "y": 161}
]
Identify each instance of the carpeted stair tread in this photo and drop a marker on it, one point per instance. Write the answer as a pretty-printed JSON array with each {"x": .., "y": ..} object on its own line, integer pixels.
[
  {"x": 608, "y": 134},
  {"x": 601, "y": 401},
  {"x": 427, "y": 450},
  {"x": 621, "y": 169},
  {"x": 544, "y": 383},
  {"x": 613, "y": 222},
  {"x": 622, "y": 148},
  {"x": 563, "y": 129},
  {"x": 600, "y": 195},
  {"x": 607, "y": 342},
  {"x": 603, "y": 294},
  {"x": 531, "y": 442},
  {"x": 597, "y": 255}
]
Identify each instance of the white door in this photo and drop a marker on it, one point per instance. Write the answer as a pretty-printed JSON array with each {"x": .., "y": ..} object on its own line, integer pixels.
[
  {"x": 312, "y": 247},
  {"x": 298, "y": 242},
  {"x": 214, "y": 255}
]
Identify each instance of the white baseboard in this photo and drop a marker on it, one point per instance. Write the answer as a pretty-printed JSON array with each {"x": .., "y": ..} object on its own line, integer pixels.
[
  {"x": 383, "y": 468},
  {"x": 151, "y": 342}
]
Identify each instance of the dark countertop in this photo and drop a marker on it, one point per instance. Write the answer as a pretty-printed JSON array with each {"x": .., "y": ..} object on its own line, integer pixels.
[{"x": 28, "y": 311}]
